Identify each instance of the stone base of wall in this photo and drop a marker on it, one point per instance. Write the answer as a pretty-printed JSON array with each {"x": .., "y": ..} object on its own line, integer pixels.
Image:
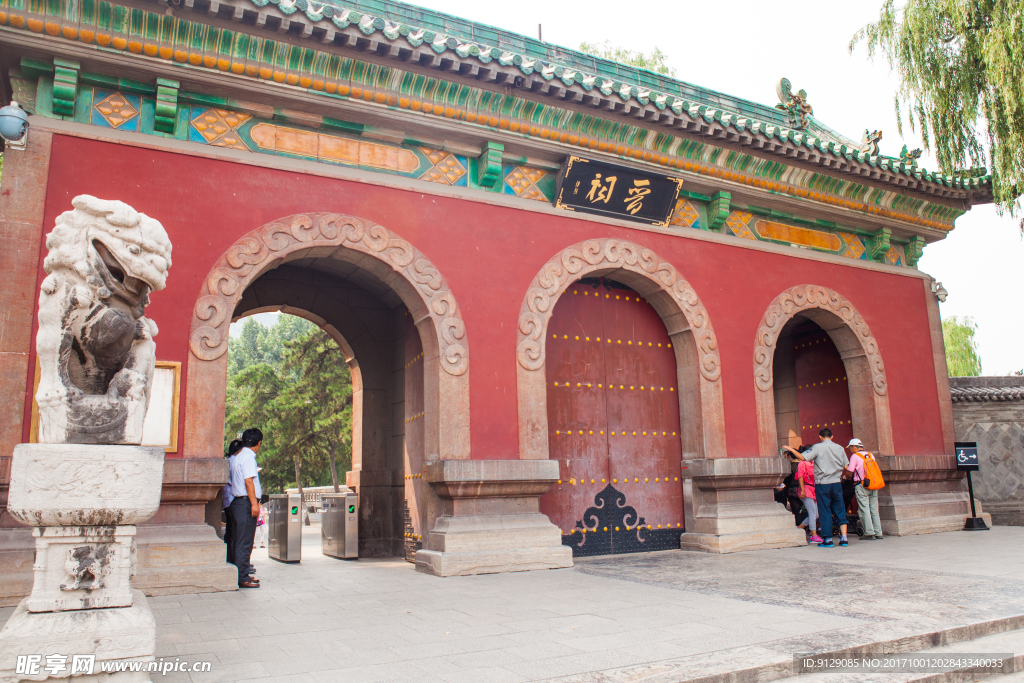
[
  {"x": 490, "y": 518},
  {"x": 1006, "y": 514},
  {"x": 486, "y": 544},
  {"x": 923, "y": 494},
  {"x": 175, "y": 559},
  {"x": 732, "y": 543},
  {"x": 729, "y": 506}
]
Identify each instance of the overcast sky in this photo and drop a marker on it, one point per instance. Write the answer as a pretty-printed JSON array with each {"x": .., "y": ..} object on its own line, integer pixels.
[{"x": 743, "y": 48}]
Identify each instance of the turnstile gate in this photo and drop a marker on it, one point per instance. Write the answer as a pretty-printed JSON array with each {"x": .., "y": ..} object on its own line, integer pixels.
[
  {"x": 285, "y": 527},
  {"x": 339, "y": 525}
]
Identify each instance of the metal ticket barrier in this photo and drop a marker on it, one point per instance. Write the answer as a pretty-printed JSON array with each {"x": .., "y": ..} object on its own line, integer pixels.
[
  {"x": 339, "y": 525},
  {"x": 285, "y": 527}
]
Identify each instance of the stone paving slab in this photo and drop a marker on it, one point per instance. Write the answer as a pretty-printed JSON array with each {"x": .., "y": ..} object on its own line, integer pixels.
[{"x": 633, "y": 617}]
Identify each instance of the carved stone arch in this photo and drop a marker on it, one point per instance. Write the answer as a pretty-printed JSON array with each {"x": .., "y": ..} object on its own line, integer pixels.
[
  {"x": 869, "y": 398},
  {"x": 698, "y": 364},
  {"x": 397, "y": 264}
]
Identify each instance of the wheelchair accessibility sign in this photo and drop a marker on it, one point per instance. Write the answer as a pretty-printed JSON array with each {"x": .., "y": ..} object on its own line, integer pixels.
[{"x": 967, "y": 457}]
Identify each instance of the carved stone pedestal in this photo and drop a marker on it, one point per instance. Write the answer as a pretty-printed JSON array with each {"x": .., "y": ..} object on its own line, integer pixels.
[
  {"x": 490, "y": 519},
  {"x": 82, "y": 567},
  {"x": 729, "y": 506},
  {"x": 122, "y": 634},
  {"x": 83, "y": 503}
]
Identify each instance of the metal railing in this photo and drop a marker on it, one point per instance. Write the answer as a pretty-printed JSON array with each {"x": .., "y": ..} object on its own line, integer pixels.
[{"x": 312, "y": 496}]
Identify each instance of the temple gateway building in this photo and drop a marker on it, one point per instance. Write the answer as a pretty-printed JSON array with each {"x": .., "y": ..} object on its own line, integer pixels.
[{"x": 583, "y": 304}]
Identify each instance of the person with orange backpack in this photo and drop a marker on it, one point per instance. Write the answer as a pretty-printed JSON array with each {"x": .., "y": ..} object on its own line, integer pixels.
[{"x": 867, "y": 477}]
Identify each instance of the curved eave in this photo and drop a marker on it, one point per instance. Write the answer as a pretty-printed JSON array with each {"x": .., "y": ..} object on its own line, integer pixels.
[{"x": 382, "y": 40}]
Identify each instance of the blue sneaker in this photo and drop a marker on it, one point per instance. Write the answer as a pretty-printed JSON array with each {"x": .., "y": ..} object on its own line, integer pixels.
[
  {"x": 826, "y": 544},
  {"x": 843, "y": 542}
]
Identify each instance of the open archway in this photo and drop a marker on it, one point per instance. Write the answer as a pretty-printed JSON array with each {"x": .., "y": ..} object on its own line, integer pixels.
[
  {"x": 388, "y": 308},
  {"x": 857, "y": 347},
  {"x": 686, "y": 321}
]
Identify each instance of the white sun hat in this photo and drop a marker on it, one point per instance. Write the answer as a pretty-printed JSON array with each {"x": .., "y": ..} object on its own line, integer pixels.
[{"x": 854, "y": 442}]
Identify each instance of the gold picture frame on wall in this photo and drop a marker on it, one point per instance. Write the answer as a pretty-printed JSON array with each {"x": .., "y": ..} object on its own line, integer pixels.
[{"x": 161, "y": 425}]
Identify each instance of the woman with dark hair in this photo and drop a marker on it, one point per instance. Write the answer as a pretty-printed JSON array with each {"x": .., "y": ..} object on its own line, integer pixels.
[
  {"x": 805, "y": 491},
  {"x": 227, "y": 497}
]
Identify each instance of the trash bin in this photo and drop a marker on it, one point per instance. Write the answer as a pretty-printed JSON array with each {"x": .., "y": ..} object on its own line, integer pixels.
[
  {"x": 285, "y": 522},
  {"x": 339, "y": 525}
]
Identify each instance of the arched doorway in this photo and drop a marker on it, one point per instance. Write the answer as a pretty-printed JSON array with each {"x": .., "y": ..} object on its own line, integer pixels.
[
  {"x": 811, "y": 386},
  {"x": 829, "y": 331},
  {"x": 686, "y": 371},
  {"x": 398, "y": 324}
]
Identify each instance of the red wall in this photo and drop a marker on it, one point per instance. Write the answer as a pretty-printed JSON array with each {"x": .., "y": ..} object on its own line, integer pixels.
[{"x": 489, "y": 255}]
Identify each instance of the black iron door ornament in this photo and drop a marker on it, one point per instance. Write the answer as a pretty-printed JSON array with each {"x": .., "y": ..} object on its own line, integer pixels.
[{"x": 612, "y": 526}]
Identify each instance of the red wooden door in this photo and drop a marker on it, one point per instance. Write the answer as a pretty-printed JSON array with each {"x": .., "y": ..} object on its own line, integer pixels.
[
  {"x": 823, "y": 393},
  {"x": 613, "y": 421}
]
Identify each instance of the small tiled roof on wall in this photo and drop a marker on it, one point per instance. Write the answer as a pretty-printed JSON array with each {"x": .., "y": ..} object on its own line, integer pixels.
[{"x": 978, "y": 389}]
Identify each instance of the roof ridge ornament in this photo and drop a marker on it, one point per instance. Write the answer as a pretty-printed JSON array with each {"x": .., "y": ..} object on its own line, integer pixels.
[
  {"x": 870, "y": 142},
  {"x": 795, "y": 104},
  {"x": 910, "y": 156}
]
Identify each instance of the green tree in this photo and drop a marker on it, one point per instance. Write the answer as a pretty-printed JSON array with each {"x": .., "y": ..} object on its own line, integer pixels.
[
  {"x": 962, "y": 357},
  {"x": 259, "y": 344},
  {"x": 291, "y": 380},
  {"x": 250, "y": 397},
  {"x": 314, "y": 412},
  {"x": 961, "y": 70},
  {"x": 655, "y": 61}
]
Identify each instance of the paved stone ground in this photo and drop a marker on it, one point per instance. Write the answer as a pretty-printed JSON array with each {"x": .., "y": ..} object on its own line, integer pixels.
[{"x": 647, "y": 616}]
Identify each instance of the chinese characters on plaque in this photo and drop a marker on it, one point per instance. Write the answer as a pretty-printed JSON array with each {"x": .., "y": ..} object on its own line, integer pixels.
[{"x": 609, "y": 190}]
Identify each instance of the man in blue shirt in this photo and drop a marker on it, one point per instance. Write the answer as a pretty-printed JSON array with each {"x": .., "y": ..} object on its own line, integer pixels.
[{"x": 244, "y": 509}]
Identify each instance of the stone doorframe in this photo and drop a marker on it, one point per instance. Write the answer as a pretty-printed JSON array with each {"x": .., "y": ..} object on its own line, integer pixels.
[
  {"x": 698, "y": 364},
  {"x": 869, "y": 398},
  {"x": 395, "y": 261}
]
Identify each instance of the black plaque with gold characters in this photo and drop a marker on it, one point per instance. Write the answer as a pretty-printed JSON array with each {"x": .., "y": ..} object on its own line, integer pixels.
[{"x": 610, "y": 190}]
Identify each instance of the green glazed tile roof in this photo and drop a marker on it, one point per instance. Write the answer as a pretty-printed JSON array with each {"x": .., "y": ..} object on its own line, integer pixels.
[
  {"x": 448, "y": 24},
  {"x": 442, "y": 32},
  {"x": 507, "y": 41}
]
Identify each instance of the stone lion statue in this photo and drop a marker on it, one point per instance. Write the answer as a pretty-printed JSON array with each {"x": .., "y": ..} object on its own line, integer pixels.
[{"x": 95, "y": 345}]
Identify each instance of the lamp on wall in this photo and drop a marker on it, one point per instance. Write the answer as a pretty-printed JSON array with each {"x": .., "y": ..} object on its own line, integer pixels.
[
  {"x": 939, "y": 291},
  {"x": 14, "y": 126}
]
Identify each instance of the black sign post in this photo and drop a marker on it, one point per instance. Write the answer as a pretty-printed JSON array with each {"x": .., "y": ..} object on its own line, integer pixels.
[
  {"x": 967, "y": 461},
  {"x": 616, "y": 191}
]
